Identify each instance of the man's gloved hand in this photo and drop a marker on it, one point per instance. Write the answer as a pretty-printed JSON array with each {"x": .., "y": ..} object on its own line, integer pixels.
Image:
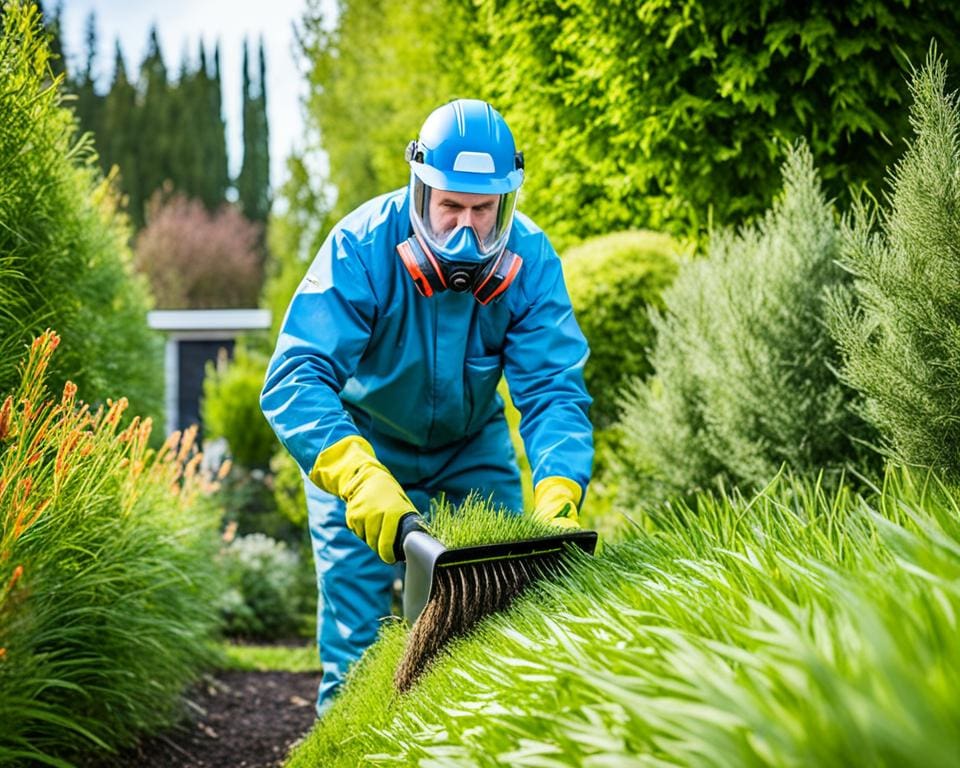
[
  {"x": 375, "y": 501},
  {"x": 555, "y": 501}
]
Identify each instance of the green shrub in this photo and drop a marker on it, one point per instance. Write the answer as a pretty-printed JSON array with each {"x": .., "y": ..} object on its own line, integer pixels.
[
  {"x": 249, "y": 500},
  {"x": 64, "y": 259},
  {"x": 288, "y": 492},
  {"x": 267, "y": 588},
  {"x": 899, "y": 326},
  {"x": 744, "y": 364},
  {"x": 231, "y": 408},
  {"x": 106, "y": 572},
  {"x": 796, "y": 627},
  {"x": 612, "y": 280}
]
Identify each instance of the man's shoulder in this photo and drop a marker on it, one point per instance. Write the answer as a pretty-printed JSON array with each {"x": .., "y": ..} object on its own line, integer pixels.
[
  {"x": 387, "y": 211},
  {"x": 527, "y": 239}
]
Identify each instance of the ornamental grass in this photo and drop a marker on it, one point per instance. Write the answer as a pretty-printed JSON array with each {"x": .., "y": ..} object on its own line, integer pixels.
[
  {"x": 798, "y": 626},
  {"x": 106, "y": 579}
]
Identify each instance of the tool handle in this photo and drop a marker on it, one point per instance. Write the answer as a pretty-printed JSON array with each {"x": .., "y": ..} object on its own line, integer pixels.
[{"x": 409, "y": 523}]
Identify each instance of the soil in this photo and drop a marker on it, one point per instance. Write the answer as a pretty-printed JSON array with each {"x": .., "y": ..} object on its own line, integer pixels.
[{"x": 236, "y": 720}]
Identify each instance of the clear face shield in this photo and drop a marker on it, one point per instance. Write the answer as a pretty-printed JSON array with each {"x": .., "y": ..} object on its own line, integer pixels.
[{"x": 438, "y": 220}]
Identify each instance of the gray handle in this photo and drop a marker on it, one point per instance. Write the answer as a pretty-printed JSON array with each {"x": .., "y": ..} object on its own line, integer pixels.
[{"x": 409, "y": 523}]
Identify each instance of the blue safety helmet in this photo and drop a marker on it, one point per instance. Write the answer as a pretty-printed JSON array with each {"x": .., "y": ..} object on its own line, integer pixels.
[{"x": 464, "y": 146}]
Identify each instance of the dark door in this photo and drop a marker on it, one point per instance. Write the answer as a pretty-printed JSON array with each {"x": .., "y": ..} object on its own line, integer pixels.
[{"x": 193, "y": 357}]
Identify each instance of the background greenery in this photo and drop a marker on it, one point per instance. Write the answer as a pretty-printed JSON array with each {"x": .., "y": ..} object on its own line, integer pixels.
[
  {"x": 745, "y": 366},
  {"x": 667, "y": 116},
  {"x": 64, "y": 258},
  {"x": 898, "y": 324}
]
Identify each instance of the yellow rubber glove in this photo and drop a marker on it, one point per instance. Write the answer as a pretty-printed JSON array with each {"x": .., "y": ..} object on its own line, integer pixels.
[
  {"x": 555, "y": 501},
  {"x": 375, "y": 501}
]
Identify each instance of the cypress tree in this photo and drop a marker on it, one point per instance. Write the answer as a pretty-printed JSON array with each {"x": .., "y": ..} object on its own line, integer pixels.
[
  {"x": 119, "y": 143},
  {"x": 216, "y": 158},
  {"x": 899, "y": 326},
  {"x": 154, "y": 125},
  {"x": 88, "y": 102},
  {"x": 253, "y": 184},
  {"x": 186, "y": 150}
]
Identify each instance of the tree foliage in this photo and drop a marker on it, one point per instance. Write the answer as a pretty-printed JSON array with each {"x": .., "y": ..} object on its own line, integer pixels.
[
  {"x": 631, "y": 114},
  {"x": 899, "y": 327},
  {"x": 64, "y": 260},
  {"x": 294, "y": 235},
  {"x": 198, "y": 260},
  {"x": 253, "y": 183},
  {"x": 157, "y": 129},
  {"x": 744, "y": 363},
  {"x": 373, "y": 78}
]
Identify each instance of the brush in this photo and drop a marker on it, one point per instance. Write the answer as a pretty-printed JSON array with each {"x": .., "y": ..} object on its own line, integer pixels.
[{"x": 448, "y": 591}]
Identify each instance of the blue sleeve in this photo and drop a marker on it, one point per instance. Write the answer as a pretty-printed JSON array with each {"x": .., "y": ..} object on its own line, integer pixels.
[
  {"x": 543, "y": 361},
  {"x": 321, "y": 341}
]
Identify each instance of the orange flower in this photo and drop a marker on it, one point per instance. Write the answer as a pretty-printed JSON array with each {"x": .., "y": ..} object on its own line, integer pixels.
[
  {"x": 17, "y": 573},
  {"x": 5, "y": 416},
  {"x": 69, "y": 392}
]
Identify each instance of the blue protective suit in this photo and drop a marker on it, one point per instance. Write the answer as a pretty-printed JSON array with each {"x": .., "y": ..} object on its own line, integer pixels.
[{"x": 361, "y": 352}]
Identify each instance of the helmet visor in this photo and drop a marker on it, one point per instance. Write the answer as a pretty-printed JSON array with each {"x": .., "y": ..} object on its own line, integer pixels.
[{"x": 438, "y": 216}]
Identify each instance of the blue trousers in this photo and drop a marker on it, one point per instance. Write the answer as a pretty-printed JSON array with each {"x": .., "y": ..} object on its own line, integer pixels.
[{"x": 354, "y": 584}]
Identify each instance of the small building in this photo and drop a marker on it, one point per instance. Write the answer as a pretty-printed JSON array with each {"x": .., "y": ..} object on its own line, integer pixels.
[{"x": 194, "y": 338}]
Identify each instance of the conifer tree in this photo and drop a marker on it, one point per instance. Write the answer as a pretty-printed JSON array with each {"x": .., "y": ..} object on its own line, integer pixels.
[
  {"x": 155, "y": 127},
  {"x": 117, "y": 141},
  {"x": 88, "y": 102},
  {"x": 53, "y": 25},
  {"x": 186, "y": 138},
  {"x": 899, "y": 328},
  {"x": 253, "y": 183},
  {"x": 216, "y": 151},
  {"x": 744, "y": 365}
]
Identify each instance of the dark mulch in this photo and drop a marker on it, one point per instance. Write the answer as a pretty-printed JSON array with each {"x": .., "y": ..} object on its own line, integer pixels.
[{"x": 242, "y": 719}]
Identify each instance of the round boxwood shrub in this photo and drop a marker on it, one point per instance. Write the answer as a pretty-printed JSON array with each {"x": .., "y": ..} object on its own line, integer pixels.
[{"x": 612, "y": 279}]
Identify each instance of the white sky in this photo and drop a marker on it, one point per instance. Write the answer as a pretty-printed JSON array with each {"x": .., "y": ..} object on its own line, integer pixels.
[{"x": 181, "y": 24}]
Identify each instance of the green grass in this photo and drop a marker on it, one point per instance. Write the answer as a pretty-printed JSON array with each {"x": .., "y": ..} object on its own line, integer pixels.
[
  {"x": 474, "y": 522},
  {"x": 266, "y": 658},
  {"x": 795, "y": 627}
]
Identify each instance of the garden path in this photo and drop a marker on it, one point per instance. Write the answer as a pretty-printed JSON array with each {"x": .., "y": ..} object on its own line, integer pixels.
[{"x": 236, "y": 720}]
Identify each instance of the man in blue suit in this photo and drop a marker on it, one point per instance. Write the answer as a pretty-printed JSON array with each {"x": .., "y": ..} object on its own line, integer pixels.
[{"x": 383, "y": 382}]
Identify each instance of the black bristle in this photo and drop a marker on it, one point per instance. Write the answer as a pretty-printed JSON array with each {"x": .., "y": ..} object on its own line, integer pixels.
[{"x": 463, "y": 595}]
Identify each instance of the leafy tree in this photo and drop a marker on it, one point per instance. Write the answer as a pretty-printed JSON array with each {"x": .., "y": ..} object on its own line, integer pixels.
[
  {"x": 670, "y": 115},
  {"x": 64, "y": 260},
  {"x": 667, "y": 116},
  {"x": 368, "y": 93},
  {"x": 198, "y": 260},
  {"x": 899, "y": 326},
  {"x": 294, "y": 236},
  {"x": 744, "y": 365}
]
